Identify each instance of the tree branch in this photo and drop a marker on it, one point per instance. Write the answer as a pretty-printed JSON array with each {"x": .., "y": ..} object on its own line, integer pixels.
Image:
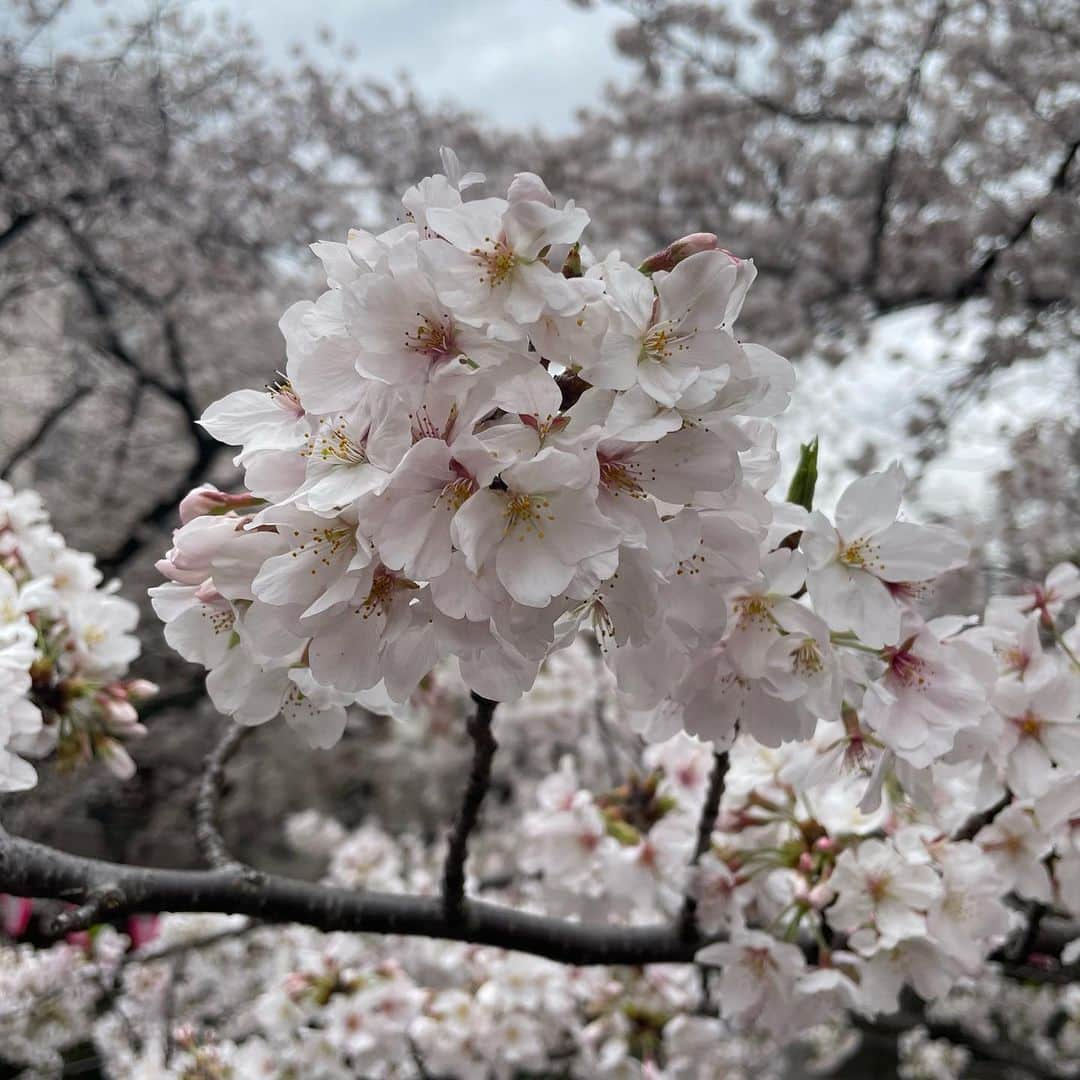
[
  {"x": 888, "y": 168},
  {"x": 31, "y": 869},
  {"x": 211, "y": 784},
  {"x": 710, "y": 808},
  {"x": 48, "y": 422},
  {"x": 484, "y": 746}
]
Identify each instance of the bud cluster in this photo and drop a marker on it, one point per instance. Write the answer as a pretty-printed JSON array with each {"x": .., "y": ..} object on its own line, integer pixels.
[{"x": 65, "y": 646}]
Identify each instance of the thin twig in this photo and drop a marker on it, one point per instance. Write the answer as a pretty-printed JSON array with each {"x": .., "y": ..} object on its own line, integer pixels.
[
  {"x": 100, "y": 902},
  {"x": 484, "y": 746},
  {"x": 977, "y": 822},
  {"x": 209, "y": 837},
  {"x": 710, "y": 809}
]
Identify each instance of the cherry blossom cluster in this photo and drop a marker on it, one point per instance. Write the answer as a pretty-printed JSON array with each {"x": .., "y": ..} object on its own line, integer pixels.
[
  {"x": 820, "y": 908},
  {"x": 65, "y": 646},
  {"x": 485, "y": 440}
]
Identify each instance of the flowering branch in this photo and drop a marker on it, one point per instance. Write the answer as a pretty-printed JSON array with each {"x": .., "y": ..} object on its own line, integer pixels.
[{"x": 484, "y": 746}]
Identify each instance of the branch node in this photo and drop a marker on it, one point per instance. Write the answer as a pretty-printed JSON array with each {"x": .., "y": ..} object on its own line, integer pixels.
[{"x": 98, "y": 904}]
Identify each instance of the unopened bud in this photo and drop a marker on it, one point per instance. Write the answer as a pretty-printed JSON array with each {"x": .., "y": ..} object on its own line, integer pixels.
[
  {"x": 120, "y": 716},
  {"x": 207, "y": 592},
  {"x": 117, "y": 760},
  {"x": 143, "y": 929},
  {"x": 819, "y": 896},
  {"x": 141, "y": 689},
  {"x": 15, "y": 913},
  {"x": 206, "y": 498},
  {"x": 806, "y": 862},
  {"x": 670, "y": 257},
  {"x": 824, "y": 843}
]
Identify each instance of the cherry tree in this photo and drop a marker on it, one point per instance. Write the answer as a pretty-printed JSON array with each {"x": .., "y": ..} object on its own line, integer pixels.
[{"x": 499, "y": 462}]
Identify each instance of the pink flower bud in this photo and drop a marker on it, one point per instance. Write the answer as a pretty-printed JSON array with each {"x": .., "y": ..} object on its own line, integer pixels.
[
  {"x": 806, "y": 862},
  {"x": 142, "y": 929},
  {"x": 819, "y": 896},
  {"x": 141, "y": 689},
  {"x": 117, "y": 760},
  {"x": 668, "y": 258},
  {"x": 80, "y": 939},
  {"x": 824, "y": 843},
  {"x": 15, "y": 912},
  {"x": 119, "y": 715},
  {"x": 206, "y": 498},
  {"x": 207, "y": 593}
]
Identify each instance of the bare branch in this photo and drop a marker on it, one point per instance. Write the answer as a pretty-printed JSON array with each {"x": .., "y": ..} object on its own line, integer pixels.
[
  {"x": 484, "y": 746},
  {"x": 94, "y": 909},
  {"x": 207, "y": 833},
  {"x": 45, "y": 426},
  {"x": 31, "y": 869},
  {"x": 887, "y": 175},
  {"x": 976, "y": 822},
  {"x": 710, "y": 808}
]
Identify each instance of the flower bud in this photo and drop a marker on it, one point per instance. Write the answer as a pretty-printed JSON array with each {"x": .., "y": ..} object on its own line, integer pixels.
[
  {"x": 668, "y": 258},
  {"x": 206, "y": 498},
  {"x": 117, "y": 760},
  {"x": 15, "y": 912},
  {"x": 142, "y": 929},
  {"x": 119, "y": 715},
  {"x": 207, "y": 592},
  {"x": 141, "y": 689}
]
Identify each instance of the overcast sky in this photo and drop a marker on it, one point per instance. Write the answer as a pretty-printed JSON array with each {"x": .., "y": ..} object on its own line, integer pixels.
[{"x": 519, "y": 62}]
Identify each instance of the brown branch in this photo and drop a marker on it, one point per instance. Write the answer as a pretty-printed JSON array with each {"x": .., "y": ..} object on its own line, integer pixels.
[
  {"x": 710, "y": 808},
  {"x": 211, "y": 784},
  {"x": 977, "y": 822},
  {"x": 31, "y": 869},
  {"x": 48, "y": 422},
  {"x": 35, "y": 870},
  {"x": 888, "y": 168},
  {"x": 484, "y": 746},
  {"x": 97, "y": 906}
]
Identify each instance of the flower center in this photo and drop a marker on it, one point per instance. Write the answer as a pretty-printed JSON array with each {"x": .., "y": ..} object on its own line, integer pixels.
[
  {"x": 1029, "y": 725},
  {"x": 660, "y": 343},
  {"x": 497, "y": 263},
  {"x": 284, "y": 397},
  {"x": 753, "y": 609},
  {"x": 337, "y": 447},
  {"x": 383, "y": 589},
  {"x": 806, "y": 659},
  {"x": 324, "y": 544},
  {"x": 529, "y": 512},
  {"x": 433, "y": 338},
  {"x": 619, "y": 479},
  {"x": 862, "y": 554},
  {"x": 877, "y": 886},
  {"x": 454, "y": 494},
  {"x": 908, "y": 668}
]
